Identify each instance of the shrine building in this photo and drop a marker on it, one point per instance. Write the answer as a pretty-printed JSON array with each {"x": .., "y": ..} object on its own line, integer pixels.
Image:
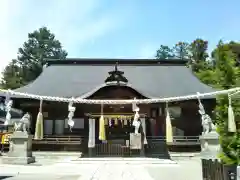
[{"x": 115, "y": 79}]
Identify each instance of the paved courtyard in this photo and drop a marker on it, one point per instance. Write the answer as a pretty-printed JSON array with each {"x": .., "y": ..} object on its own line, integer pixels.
[{"x": 73, "y": 168}]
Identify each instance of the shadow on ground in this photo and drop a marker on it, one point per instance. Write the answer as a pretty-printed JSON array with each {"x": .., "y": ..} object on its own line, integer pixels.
[{"x": 5, "y": 177}]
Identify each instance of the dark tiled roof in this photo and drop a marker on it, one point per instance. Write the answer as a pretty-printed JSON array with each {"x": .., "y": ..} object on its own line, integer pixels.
[{"x": 67, "y": 79}]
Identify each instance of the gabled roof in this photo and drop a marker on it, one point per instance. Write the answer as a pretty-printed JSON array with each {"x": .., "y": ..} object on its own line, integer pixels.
[{"x": 152, "y": 78}]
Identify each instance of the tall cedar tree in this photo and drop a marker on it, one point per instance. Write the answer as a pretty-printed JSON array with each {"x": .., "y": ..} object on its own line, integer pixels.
[
  {"x": 227, "y": 75},
  {"x": 40, "y": 46}
]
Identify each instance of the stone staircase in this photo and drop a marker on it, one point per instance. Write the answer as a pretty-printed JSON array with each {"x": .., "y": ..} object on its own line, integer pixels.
[{"x": 157, "y": 149}]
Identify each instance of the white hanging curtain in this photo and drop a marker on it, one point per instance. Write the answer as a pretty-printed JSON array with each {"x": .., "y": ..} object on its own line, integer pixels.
[
  {"x": 91, "y": 136},
  {"x": 39, "y": 124},
  {"x": 93, "y": 132},
  {"x": 143, "y": 121}
]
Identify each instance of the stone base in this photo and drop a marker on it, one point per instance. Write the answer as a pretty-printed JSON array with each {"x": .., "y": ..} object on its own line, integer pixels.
[
  {"x": 20, "y": 149},
  {"x": 92, "y": 152},
  {"x": 18, "y": 160},
  {"x": 135, "y": 141},
  {"x": 210, "y": 146}
]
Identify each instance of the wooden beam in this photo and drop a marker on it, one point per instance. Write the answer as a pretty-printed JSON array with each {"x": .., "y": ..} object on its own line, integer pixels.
[{"x": 113, "y": 115}]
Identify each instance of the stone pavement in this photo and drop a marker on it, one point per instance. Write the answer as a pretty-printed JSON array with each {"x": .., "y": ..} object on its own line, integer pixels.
[
  {"x": 70, "y": 168},
  {"x": 40, "y": 177}
]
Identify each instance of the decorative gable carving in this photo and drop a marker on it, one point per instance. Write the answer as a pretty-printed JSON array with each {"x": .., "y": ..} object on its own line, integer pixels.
[{"x": 116, "y": 76}]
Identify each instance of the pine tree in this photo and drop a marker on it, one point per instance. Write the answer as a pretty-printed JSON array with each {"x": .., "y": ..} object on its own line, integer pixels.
[
  {"x": 40, "y": 46},
  {"x": 12, "y": 76},
  {"x": 227, "y": 76},
  {"x": 164, "y": 52}
]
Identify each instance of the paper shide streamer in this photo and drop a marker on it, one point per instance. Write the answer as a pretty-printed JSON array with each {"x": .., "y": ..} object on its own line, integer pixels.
[
  {"x": 136, "y": 122},
  {"x": 71, "y": 110},
  {"x": 8, "y": 107}
]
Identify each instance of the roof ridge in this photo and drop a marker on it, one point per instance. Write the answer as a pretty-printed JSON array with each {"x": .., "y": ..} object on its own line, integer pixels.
[{"x": 112, "y": 61}]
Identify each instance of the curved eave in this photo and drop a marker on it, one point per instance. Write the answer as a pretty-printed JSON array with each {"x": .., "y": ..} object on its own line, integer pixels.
[{"x": 92, "y": 92}]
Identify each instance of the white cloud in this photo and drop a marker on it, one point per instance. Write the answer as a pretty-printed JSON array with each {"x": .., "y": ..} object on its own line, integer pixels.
[{"x": 74, "y": 22}]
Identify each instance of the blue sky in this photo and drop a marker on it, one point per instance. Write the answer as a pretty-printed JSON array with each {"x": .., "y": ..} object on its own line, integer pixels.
[{"x": 117, "y": 28}]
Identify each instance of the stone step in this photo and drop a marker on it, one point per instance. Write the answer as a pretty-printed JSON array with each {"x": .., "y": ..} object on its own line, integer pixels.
[{"x": 137, "y": 159}]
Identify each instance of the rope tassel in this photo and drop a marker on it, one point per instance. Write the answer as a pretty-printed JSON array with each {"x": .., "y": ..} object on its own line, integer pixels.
[
  {"x": 169, "y": 133},
  {"x": 231, "y": 119},
  {"x": 102, "y": 133}
]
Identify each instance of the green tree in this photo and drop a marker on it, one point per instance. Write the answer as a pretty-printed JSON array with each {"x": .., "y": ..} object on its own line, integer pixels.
[
  {"x": 164, "y": 52},
  {"x": 40, "y": 46},
  {"x": 234, "y": 47},
  {"x": 198, "y": 54},
  {"x": 206, "y": 73},
  {"x": 181, "y": 50},
  {"x": 227, "y": 75},
  {"x": 12, "y": 76}
]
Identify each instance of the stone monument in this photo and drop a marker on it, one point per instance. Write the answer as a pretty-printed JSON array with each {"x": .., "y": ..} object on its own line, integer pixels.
[{"x": 20, "y": 144}]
